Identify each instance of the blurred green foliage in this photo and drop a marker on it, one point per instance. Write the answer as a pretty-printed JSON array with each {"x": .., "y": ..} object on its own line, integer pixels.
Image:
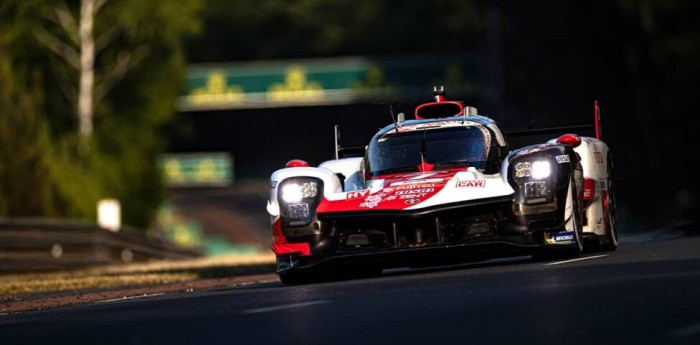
[
  {"x": 46, "y": 168},
  {"x": 642, "y": 54}
]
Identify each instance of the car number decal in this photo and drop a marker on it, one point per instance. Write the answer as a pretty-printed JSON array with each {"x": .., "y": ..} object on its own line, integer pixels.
[{"x": 563, "y": 159}]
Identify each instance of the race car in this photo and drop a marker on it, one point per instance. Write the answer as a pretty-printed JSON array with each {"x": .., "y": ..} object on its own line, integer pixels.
[{"x": 442, "y": 188}]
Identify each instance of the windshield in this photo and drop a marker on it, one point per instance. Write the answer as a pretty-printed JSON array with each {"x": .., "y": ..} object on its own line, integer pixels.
[{"x": 446, "y": 148}]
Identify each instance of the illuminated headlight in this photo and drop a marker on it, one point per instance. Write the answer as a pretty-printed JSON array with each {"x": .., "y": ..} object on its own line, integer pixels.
[
  {"x": 541, "y": 169},
  {"x": 298, "y": 198},
  {"x": 537, "y": 169},
  {"x": 533, "y": 178},
  {"x": 295, "y": 192}
]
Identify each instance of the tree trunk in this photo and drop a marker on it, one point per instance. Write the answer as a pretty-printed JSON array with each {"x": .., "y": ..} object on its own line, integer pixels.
[{"x": 87, "y": 72}]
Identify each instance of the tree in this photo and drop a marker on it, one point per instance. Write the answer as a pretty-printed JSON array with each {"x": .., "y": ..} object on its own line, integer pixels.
[
  {"x": 50, "y": 166},
  {"x": 80, "y": 50}
]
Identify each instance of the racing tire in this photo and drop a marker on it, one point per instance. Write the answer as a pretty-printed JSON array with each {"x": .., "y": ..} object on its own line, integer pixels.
[
  {"x": 357, "y": 272},
  {"x": 291, "y": 277},
  {"x": 610, "y": 216},
  {"x": 553, "y": 253}
]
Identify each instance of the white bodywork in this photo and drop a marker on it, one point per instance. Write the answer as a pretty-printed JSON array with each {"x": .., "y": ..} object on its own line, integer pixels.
[
  {"x": 350, "y": 169},
  {"x": 448, "y": 190},
  {"x": 331, "y": 183},
  {"x": 594, "y": 153}
]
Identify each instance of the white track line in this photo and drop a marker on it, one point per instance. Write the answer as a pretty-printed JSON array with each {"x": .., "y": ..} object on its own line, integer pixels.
[
  {"x": 130, "y": 297},
  {"x": 572, "y": 260},
  {"x": 285, "y": 306}
]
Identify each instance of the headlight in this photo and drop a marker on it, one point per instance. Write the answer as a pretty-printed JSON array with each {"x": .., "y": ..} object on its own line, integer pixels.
[
  {"x": 533, "y": 180},
  {"x": 541, "y": 169},
  {"x": 295, "y": 192},
  {"x": 537, "y": 170},
  {"x": 298, "y": 199}
]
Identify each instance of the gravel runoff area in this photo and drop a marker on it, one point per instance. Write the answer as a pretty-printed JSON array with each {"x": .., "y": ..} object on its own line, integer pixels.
[{"x": 44, "y": 290}]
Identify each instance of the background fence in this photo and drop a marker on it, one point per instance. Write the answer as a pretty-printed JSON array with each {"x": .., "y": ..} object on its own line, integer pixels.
[{"x": 30, "y": 245}]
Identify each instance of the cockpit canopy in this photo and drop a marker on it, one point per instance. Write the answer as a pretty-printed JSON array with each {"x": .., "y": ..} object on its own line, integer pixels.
[{"x": 443, "y": 147}]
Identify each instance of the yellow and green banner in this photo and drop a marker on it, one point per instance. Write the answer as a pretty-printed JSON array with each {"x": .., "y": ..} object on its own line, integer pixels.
[
  {"x": 205, "y": 169},
  {"x": 328, "y": 81}
]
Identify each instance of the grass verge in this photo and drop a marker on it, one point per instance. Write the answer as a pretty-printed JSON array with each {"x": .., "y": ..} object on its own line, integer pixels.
[{"x": 133, "y": 275}]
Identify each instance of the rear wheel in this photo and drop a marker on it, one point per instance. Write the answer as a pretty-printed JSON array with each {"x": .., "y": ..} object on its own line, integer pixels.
[{"x": 610, "y": 211}]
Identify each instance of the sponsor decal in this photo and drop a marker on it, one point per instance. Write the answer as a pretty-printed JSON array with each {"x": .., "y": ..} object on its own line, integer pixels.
[
  {"x": 563, "y": 159},
  {"x": 532, "y": 149},
  {"x": 411, "y": 196},
  {"x": 357, "y": 194},
  {"x": 416, "y": 180},
  {"x": 563, "y": 237},
  {"x": 598, "y": 157},
  {"x": 416, "y": 186},
  {"x": 471, "y": 183},
  {"x": 415, "y": 191},
  {"x": 369, "y": 204},
  {"x": 409, "y": 128},
  {"x": 412, "y": 201},
  {"x": 371, "y": 201}
]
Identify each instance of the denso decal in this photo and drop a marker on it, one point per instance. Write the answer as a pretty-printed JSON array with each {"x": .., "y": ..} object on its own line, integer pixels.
[
  {"x": 563, "y": 159},
  {"x": 415, "y": 191},
  {"x": 471, "y": 183}
]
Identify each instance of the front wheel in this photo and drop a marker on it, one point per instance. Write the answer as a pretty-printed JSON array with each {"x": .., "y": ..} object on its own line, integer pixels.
[
  {"x": 573, "y": 224},
  {"x": 293, "y": 277}
]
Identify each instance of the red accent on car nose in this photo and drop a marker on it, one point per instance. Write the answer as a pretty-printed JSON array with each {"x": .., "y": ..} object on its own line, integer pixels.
[{"x": 295, "y": 163}]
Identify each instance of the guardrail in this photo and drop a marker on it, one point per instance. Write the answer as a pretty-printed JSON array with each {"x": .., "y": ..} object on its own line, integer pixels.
[{"x": 30, "y": 245}]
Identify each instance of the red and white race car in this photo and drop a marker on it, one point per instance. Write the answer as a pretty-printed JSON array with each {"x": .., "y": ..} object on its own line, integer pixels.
[{"x": 442, "y": 188}]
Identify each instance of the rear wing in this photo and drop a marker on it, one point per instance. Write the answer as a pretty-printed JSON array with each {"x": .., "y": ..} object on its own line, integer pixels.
[
  {"x": 350, "y": 151},
  {"x": 359, "y": 151},
  {"x": 595, "y": 126}
]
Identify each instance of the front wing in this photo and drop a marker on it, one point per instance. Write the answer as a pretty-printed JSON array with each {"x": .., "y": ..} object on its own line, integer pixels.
[{"x": 443, "y": 234}]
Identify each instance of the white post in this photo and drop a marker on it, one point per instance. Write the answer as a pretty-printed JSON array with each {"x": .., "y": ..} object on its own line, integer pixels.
[{"x": 109, "y": 214}]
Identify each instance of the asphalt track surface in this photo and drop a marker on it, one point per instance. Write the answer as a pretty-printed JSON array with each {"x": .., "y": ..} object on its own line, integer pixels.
[{"x": 644, "y": 293}]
